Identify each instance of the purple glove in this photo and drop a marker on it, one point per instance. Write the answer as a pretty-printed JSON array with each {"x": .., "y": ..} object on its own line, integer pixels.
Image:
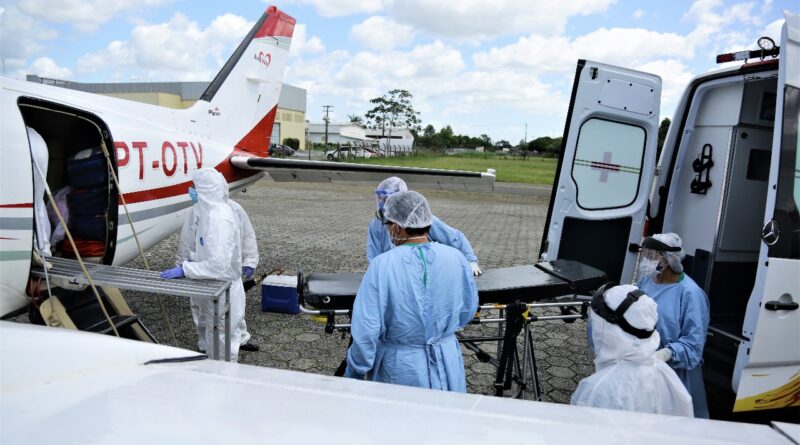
[
  {"x": 247, "y": 271},
  {"x": 175, "y": 272}
]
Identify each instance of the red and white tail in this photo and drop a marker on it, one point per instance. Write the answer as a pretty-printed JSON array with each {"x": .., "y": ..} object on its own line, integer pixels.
[{"x": 240, "y": 104}]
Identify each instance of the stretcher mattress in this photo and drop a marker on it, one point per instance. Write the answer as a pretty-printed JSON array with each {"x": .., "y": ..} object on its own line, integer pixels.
[{"x": 501, "y": 286}]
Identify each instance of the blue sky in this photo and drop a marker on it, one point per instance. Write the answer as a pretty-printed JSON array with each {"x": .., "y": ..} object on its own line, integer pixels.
[{"x": 479, "y": 68}]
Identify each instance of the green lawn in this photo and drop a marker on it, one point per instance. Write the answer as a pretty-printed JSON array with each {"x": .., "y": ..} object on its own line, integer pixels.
[{"x": 533, "y": 170}]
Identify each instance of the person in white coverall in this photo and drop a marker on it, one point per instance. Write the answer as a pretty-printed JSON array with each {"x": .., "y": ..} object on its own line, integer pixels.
[
  {"x": 40, "y": 157},
  {"x": 216, "y": 254},
  {"x": 628, "y": 376},
  {"x": 249, "y": 262}
]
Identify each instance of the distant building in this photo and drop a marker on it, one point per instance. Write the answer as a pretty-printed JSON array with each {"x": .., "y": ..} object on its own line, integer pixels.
[
  {"x": 338, "y": 133},
  {"x": 290, "y": 119},
  {"x": 400, "y": 139},
  {"x": 394, "y": 139}
]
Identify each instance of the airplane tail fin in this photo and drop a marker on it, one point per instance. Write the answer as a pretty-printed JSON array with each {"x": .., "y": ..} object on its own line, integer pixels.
[{"x": 240, "y": 104}]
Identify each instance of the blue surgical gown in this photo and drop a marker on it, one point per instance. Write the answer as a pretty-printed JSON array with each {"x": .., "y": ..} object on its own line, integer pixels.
[
  {"x": 683, "y": 314},
  {"x": 411, "y": 302},
  {"x": 379, "y": 241}
]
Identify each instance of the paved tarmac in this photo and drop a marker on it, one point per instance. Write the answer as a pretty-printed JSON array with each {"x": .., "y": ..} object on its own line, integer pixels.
[{"x": 322, "y": 228}]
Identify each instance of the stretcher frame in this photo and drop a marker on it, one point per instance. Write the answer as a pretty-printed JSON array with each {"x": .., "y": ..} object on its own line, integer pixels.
[{"x": 511, "y": 368}]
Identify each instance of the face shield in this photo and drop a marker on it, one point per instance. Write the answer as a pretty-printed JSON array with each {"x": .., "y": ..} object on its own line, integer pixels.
[{"x": 653, "y": 258}]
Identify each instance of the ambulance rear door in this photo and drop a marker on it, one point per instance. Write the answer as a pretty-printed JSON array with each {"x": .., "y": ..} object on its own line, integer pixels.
[
  {"x": 767, "y": 372},
  {"x": 608, "y": 160}
]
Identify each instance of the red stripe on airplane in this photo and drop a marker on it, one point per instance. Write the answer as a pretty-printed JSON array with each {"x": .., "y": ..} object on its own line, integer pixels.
[
  {"x": 278, "y": 24},
  {"x": 24, "y": 205},
  {"x": 256, "y": 142},
  {"x": 225, "y": 167}
]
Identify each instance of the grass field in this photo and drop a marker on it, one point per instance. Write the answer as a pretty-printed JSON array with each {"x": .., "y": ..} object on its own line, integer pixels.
[{"x": 533, "y": 170}]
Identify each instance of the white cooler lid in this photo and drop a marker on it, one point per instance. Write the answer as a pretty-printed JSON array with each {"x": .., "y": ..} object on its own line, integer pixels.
[{"x": 280, "y": 280}]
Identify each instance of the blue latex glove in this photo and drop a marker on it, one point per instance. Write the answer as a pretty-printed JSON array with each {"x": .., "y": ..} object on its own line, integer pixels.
[
  {"x": 175, "y": 272},
  {"x": 247, "y": 271},
  {"x": 193, "y": 194}
]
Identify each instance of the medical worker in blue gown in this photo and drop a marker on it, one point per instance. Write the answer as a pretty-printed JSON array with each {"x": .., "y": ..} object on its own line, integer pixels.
[
  {"x": 683, "y": 312},
  {"x": 379, "y": 241},
  {"x": 411, "y": 302}
]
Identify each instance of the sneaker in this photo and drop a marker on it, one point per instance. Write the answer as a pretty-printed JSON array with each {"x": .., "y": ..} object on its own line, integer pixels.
[{"x": 250, "y": 347}]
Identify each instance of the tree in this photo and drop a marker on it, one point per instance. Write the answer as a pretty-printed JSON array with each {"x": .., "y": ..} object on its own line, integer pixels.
[
  {"x": 502, "y": 143},
  {"x": 355, "y": 119},
  {"x": 292, "y": 142},
  {"x": 393, "y": 110}
]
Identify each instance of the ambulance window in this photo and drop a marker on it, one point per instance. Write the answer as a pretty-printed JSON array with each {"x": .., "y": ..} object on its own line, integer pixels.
[
  {"x": 608, "y": 164},
  {"x": 786, "y": 212}
]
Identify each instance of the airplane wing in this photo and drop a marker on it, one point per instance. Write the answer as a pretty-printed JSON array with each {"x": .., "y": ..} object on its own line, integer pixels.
[
  {"x": 284, "y": 170},
  {"x": 70, "y": 387}
]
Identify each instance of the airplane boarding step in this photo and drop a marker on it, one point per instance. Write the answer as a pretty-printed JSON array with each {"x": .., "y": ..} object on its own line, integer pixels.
[
  {"x": 66, "y": 270},
  {"x": 119, "y": 321}
]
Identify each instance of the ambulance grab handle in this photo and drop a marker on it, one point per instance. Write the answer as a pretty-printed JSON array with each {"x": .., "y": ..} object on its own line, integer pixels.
[{"x": 779, "y": 306}]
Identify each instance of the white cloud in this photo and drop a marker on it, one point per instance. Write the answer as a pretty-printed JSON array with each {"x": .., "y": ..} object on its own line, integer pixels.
[
  {"x": 47, "y": 67},
  {"x": 22, "y": 36},
  {"x": 85, "y": 15},
  {"x": 619, "y": 46},
  {"x": 639, "y": 13},
  {"x": 176, "y": 50},
  {"x": 301, "y": 44},
  {"x": 711, "y": 24},
  {"x": 339, "y": 8},
  {"x": 476, "y": 20},
  {"x": 381, "y": 34}
]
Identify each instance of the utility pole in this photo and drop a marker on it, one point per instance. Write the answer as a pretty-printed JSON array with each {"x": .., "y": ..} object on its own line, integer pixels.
[
  {"x": 326, "y": 108},
  {"x": 525, "y": 143}
]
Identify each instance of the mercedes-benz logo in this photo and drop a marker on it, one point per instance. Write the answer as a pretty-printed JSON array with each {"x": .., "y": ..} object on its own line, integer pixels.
[{"x": 771, "y": 232}]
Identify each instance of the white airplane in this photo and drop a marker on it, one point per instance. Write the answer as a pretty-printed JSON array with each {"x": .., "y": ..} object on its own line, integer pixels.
[
  {"x": 72, "y": 387},
  {"x": 155, "y": 150}
]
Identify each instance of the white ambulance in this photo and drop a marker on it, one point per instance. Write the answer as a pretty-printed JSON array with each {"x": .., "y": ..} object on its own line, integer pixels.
[{"x": 727, "y": 181}]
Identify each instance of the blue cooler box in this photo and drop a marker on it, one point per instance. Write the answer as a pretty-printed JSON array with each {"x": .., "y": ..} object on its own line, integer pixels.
[{"x": 279, "y": 294}]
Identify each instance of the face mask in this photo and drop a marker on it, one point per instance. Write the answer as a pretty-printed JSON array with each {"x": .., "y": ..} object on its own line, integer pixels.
[
  {"x": 193, "y": 194},
  {"x": 647, "y": 268}
]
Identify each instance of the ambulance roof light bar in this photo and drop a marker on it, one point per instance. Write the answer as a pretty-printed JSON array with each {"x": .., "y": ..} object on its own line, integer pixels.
[{"x": 768, "y": 49}]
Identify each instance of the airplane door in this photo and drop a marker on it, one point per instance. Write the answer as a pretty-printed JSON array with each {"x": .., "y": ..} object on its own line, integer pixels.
[
  {"x": 598, "y": 204},
  {"x": 16, "y": 207},
  {"x": 768, "y": 366}
]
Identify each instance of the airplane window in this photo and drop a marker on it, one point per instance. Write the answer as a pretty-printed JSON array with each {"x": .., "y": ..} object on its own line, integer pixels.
[{"x": 608, "y": 164}]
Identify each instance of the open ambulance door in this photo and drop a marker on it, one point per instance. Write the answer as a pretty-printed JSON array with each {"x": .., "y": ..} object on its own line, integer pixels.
[
  {"x": 767, "y": 372},
  {"x": 599, "y": 199}
]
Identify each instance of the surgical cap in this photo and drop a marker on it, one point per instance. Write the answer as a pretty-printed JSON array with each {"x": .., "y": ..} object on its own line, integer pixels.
[
  {"x": 408, "y": 209},
  {"x": 390, "y": 186},
  {"x": 673, "y": 258}
]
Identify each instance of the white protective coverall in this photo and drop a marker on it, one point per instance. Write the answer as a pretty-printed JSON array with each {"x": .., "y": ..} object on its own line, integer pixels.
[
  {"x": 249, "y": 259},
  {"x": 40, "y": 157},
  {"x": 628, "y": 376},
  {"x": 216, "y": 254}
]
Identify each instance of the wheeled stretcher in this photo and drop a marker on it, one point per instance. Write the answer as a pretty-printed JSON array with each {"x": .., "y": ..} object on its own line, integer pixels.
[{"x": 514, "y": 291}]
